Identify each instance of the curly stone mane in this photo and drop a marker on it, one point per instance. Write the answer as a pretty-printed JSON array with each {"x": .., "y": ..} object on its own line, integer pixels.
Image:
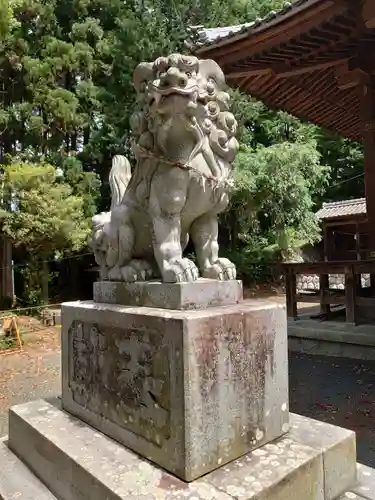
[{"x": 205, "y": 105}]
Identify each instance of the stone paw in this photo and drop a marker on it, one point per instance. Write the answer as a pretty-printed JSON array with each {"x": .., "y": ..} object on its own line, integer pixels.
[
  {"x": 180, "y": 270},
  {"x": 103, "y": 273},
  {"x": 114, "y": 274},
  {"x": 222, "y": 269},
  {"x": 138, "y": 270}
]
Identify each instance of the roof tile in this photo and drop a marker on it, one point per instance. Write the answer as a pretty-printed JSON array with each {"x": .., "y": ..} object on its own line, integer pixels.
[
  {"x": 210, "y": 36},
  {"x": 342, "y": 209}
]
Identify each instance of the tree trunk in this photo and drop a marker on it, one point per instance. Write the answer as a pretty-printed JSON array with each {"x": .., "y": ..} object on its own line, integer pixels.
[
  {"x": 234, "y": 231},
  {"x": 86, "y": 135},
  {"x": 45, "y": 280}
]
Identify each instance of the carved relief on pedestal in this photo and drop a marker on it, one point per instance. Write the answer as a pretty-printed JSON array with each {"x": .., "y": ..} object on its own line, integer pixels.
[{"x": 122, "y": 375}]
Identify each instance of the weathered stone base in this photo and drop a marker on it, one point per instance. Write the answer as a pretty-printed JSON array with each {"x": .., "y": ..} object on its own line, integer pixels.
[
  {"x": 331, "y": 338},
  {"x": 365, "y": 485},
  {"x": 181, "y": 296},
  {"x": 314, "y": 461},
  {"x": 189, "y": 390},
  {"x": 17, "y": 481}
]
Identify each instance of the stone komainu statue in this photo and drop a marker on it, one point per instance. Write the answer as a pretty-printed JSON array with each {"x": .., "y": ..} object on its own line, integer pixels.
[{"x": 184, "y": 143}]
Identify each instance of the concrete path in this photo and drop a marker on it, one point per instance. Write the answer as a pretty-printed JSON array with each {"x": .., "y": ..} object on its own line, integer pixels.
[{"x": 334, "y": 390}]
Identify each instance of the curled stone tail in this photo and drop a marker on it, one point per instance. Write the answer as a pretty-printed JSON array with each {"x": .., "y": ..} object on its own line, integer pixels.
[{"x": 119, "y": 178}]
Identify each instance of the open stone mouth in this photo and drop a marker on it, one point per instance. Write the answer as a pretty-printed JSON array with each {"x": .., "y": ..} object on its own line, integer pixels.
[{"x": 186, "y": 91}]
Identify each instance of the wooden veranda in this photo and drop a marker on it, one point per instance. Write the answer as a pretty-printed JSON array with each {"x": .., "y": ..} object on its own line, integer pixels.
[{"x": 316, "y": 60}]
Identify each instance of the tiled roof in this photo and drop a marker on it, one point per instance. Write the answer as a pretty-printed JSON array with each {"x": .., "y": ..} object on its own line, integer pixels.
[
  {"x": 211, "y": 36},
  {"x": 342, "y": 209}
]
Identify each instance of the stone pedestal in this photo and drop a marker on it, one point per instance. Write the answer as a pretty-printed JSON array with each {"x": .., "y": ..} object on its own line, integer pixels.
[
  {"x": 182, "y": 296},
  {"x": 189, "y": 390},
  {"x": 200, "y": 395}
]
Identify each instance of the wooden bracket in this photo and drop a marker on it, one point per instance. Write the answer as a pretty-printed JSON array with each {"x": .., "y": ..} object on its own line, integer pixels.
[
  {"x": 285, "y": 71},
  {"x": 369, "y": 126},
  {"x": 347, "y": 79},
  {"x": 248, "y": 73},
  {"x": 368, "y": 13}
]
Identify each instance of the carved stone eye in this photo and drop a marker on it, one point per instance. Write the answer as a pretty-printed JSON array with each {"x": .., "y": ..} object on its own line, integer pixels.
[
  {"x": 207, "y": 125},
  {"x": 210, "y": 87},
  {"x": 223, "y": 138}
]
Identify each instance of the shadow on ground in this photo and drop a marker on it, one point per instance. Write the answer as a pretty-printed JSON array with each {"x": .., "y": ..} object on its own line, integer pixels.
[{"x": 339, "y": 391}]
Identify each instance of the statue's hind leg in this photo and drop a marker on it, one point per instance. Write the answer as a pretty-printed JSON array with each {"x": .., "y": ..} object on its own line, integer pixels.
[
  {"x": 121, "y": 244},
  {"x": 204, "y": 233},
  {"x": 139, "y": 270}
]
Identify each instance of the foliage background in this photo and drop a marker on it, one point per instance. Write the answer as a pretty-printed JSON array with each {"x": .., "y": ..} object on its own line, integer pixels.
[{"x": 66, "y": 98}]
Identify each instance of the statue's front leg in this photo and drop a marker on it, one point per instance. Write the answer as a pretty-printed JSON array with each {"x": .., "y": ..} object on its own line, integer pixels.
[
  {"x": 167, "y": 200},
  {"x": 120, "y": 242},
  {"x": 204, "y": 233}
]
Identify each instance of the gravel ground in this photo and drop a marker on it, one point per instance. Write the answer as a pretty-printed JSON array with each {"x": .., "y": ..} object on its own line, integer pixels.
[
  {"x": 33, "y": 373},
  {"x": 25, "y": 377},
  {"x": 335, "y": 390}
]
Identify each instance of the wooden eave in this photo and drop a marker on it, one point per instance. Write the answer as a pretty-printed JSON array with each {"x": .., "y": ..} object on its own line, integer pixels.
[
  {"x": 344, "y": 220},
  {"x": 310, "y": 62}
]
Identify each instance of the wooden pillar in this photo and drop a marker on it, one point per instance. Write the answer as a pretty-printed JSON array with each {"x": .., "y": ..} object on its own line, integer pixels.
[
  {"x": 328, "y": 241},
  {"x": 291, "y": 292},
  {"x": 368, "y": 124},
  {"x": 358, "y": 254},
  {"x": 324, "y": 278},
  {"x": 368, "y": 13},
  {"x": 324, "y": 286},
  {"x": 6, "y": 279},
  {"x": 357, "y": 241},
  {"x": 350, "y": 296}
]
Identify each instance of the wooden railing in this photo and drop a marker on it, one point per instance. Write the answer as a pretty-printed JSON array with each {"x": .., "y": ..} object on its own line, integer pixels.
[{"x": 352, "y": 297}]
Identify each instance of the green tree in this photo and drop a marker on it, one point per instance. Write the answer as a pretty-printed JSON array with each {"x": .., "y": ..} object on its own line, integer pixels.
[
  {"x": 272, "y": 209},
  {"x": 48, "y": 64},
  {"x": 7, "y": 21},
  {"x": 45, "y": 218},
  {"x": 280, "y": 177},
  {"x": 346, "y": 161}
]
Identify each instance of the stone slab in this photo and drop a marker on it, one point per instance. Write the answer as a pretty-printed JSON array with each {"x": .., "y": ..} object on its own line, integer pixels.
[
  {"x": 284, "y": 469},
  {"x": 339, "y": 451},
  {"x": 333, "y": 331},
  {"x": 79, "y": 463},
  {"x": 331, "y": 338},
  {"x": 181, "y": 296},
  {"x": 17, "y": 481},
  {"x": 365, "y": 486},
  {"x": 349, "y": 495},
  {"x": 189, "y": 390},
  {"x": 332, "y": 349}
]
